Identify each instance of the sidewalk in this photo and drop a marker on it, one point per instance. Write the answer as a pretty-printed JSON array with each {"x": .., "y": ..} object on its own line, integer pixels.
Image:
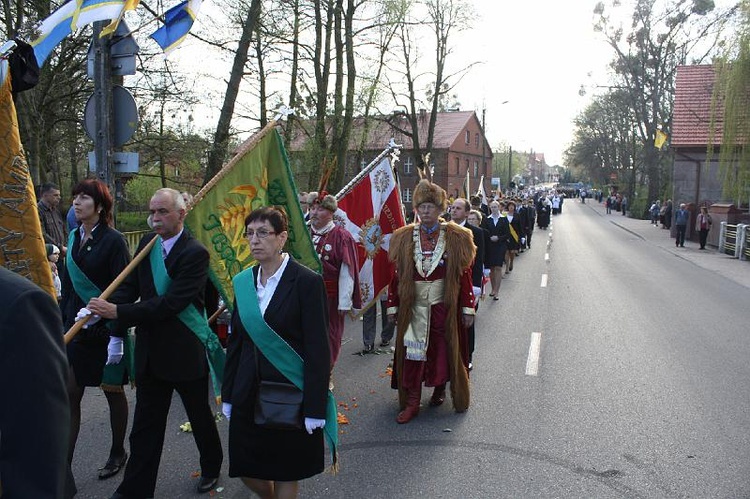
[{"x": 710, "y": 259}]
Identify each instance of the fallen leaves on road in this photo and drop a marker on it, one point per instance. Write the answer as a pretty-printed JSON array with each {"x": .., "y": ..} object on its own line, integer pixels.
[{"x": 186, "y": 427}]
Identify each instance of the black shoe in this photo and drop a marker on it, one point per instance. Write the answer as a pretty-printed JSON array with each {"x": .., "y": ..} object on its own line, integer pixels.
[
  {"x": 385, "y": 343},
  {"x": 367, "y": 350},
  {"x": 112, "y": 467},
  {"x": 205, "y": 484}
]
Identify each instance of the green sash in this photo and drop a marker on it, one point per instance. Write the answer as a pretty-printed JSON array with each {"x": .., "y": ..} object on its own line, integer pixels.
[
  {"x": 277, "y": 351},
  {"x": 193, "y": 319},
  {"x": 86, "y": 290}
]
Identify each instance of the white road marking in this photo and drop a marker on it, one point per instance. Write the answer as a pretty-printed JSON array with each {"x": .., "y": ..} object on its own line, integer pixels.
[
  {"x": 532, "y": 363},
  {"x": 544, "y": 280},
  {"x": 546, "y": 257}
]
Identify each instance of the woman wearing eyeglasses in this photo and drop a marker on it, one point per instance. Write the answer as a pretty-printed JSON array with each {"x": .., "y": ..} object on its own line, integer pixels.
[{"x": 279, "y": 334}]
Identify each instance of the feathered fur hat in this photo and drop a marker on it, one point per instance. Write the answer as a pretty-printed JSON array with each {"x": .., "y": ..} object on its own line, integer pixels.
[
  {"x": 427, "y": 192},
  {"x": 323, "y": 199}
]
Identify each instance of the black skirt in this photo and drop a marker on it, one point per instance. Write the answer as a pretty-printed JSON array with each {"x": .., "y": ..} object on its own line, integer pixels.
[
  {"x": 87, "y": 354},
  {"x": 283, "y": 455},
  {"x": 494, "y": 254}
]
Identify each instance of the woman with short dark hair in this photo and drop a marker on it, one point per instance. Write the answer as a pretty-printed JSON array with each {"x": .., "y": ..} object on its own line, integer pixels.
[
  {"x": 98, "y": 355},
  {"x": 279, "y": 336}
]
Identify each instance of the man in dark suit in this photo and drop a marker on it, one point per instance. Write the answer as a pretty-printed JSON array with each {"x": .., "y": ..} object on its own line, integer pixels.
[
  {"x": 459, "y": 211},
  {"x": 34, "y": 413},
  {"x": 168, "y": 354}
]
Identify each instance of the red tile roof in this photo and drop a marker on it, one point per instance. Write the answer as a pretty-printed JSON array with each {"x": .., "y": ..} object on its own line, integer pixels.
[
  {"x": 692, "y": 113},
  {"x": 448, "y": 127}
]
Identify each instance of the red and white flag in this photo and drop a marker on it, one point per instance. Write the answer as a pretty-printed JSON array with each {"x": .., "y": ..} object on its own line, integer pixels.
[{"x": 371, "y": 212}]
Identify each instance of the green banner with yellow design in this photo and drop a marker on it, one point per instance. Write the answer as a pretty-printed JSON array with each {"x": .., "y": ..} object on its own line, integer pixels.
[{"x": 259, "y": 175}]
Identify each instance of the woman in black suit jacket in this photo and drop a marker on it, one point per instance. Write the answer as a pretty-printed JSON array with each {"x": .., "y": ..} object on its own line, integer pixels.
[
  {"x": 495, "y": 247},
  {"x": 293, "y": 303},
  {"x": 100, "y": 253},
  {"x": 514, "y": 237}
]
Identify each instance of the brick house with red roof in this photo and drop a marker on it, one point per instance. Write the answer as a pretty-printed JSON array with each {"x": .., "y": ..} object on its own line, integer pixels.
[
  {"x": 696, "y": 178},
  {"x": 459, "y": 145}
]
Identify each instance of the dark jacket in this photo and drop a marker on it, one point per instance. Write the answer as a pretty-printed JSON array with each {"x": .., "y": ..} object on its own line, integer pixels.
[
  {"x": 165, "y": 347},
  {"x": 102, "y": 259},
  {"x": 477, "y": 269},
  {"x": 298, "y": 313},
  {"x": 34, "y": 413}
]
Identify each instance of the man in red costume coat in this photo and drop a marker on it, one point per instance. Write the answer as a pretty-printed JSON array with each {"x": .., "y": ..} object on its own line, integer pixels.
[
  {"x": 338, "y": 254},
  {"x": 431, "y": 299}
]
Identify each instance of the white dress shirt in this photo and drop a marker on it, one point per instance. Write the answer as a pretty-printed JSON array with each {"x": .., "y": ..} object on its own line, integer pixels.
[{"x": 265, "y": 293}]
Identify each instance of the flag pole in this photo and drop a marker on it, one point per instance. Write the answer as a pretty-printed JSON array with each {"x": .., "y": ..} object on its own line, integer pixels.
[
  {"x": 283, "y": 112},
  {"x": 76, "y": 328},
  {"x": 247, "y": 146},
  {"x": 367, "y": 169}
]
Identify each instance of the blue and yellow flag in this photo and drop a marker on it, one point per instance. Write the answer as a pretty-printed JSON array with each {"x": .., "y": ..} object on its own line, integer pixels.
[
  {"x": 259, "y": 175},
  {"x": 112, "y": 27},
  {"x": 177, "y": 23},
  {"x": 53, "y": 30},
  {"x": 90, "y": 11}
]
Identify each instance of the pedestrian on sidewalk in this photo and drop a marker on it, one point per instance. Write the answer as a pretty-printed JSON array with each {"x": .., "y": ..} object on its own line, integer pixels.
[
  {"x": 681, "y": 218},
  {"x": 654, "y": 211},
  {"x": 703, "y": 225}
]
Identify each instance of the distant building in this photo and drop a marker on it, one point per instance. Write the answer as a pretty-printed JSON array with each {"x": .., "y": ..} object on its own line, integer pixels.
[{"x": 459, "y": 145}]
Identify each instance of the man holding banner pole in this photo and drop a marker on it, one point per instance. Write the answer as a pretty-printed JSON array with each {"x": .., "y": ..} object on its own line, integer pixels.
[{"x": 175, "y": 348}]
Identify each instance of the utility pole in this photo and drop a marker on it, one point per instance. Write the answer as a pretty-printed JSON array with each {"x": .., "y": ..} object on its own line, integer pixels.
[
  {"x": 510, "y": 166},
  {"x": 103, "y": 105},
  {"x": 484, "y": 140}
]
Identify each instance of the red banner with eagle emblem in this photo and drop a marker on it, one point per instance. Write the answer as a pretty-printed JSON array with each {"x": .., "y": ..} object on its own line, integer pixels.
[{"x": 371, "y": 212}]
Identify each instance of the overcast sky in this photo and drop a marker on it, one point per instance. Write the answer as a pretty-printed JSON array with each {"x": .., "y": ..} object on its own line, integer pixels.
[{"x": 537, "y": 54}]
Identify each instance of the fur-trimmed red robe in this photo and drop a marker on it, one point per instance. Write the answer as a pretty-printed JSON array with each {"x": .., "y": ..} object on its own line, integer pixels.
[{"x": 458, "y": 299}]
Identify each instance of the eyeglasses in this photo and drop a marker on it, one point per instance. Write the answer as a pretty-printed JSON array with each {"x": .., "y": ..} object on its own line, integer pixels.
[{"x": 261, "y": 233}]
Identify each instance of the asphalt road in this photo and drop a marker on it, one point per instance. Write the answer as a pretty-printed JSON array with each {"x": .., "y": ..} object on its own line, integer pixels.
[{"x": 608, "y": 369}]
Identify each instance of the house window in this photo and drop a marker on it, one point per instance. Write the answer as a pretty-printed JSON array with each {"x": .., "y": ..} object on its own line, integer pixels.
[
  {"x": 408, "y": 164},
  {"x": 407, "y": 196},
  {"x": 458, "y": 161},
  {"x": 362, "y": 164},
  {"x": 476, "y": 139},
  {"x": 468, "y": 137},
  {"x": 476, "y": 169}
]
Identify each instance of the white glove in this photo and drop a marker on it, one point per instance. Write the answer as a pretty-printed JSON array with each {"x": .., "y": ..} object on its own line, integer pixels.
[
  {"x": 486, "y": 272},
  {"x": 84, "y": 312},
  {"x": 312, "y": 423},
  {"x": 523, "y": 240},
  {"x": 226, "y": 410},
  {"x": 115, "y": 350}
]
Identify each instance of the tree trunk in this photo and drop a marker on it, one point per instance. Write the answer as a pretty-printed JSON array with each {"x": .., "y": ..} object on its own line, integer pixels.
[
  {"x": 261, "y": 79},
  {"x": 218, "y": 152},
  {"x": 293, "y": 92}
]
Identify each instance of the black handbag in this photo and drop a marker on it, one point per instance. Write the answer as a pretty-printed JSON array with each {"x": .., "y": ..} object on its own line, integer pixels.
[{"x": 279, "y": 406}]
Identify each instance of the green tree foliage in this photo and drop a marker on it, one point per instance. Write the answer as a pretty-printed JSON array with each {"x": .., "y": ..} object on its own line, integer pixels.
[{"x": 732, "y": 101}]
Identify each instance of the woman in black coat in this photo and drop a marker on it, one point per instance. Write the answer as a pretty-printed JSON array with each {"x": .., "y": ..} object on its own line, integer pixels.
[
  {"x": 515, "y": 230},
  {"x": 543, "y": 209},
  {"x": 292, "y": 302},
  {"x": 100, "y": 253},
  {"x": 498, "y": 232}
]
